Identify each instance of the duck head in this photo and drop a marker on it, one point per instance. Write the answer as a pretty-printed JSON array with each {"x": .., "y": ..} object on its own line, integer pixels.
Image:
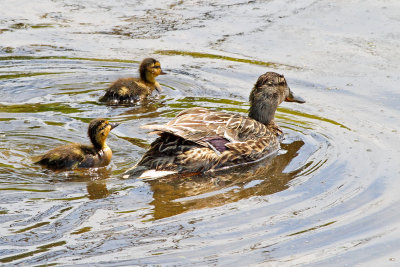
[
  {"x": 98, "y": 131},
  {"x": 270, "y": 90},
  {"x": 149, "y": 69}
]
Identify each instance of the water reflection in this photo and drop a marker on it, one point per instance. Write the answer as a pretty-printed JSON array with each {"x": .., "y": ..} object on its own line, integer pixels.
[
  {"x": 175, "y": 194},
  {"x": 95, "y": 180},
  {"x": 146, "y": 109},
  {"x": 97, "y": 189}
]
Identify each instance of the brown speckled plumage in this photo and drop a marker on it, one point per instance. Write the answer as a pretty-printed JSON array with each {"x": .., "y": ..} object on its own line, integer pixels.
[
  {"x": 200, "y": 139},
  {"x": 132, "y": 90},
  {"x": 74, "y": 155}
]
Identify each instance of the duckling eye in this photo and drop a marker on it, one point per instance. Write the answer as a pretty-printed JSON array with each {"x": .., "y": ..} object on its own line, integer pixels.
[
  {"x": 103, "y": 127},
  {"x": 157, "y": 67}
]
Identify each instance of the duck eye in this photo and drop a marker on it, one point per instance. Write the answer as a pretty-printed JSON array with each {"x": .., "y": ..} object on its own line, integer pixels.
[
  {"x": 102, "y": 127},
  {"x": 156, "y": 67}
]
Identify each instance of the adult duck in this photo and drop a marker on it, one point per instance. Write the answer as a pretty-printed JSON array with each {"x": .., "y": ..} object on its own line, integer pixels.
[
  {"x": 74, "y": 155},
  {"x": 200, "y": 140},
  {"x": 132, "y": 90}
]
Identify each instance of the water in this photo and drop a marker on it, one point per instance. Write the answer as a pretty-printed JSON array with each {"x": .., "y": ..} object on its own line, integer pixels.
[{"x": 329, "y": 198}]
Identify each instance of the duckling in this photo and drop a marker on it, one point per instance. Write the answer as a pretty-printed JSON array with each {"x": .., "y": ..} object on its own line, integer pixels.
[
  {"x": 200, "y": 140},
  {"x": 131, "y": 90},
  {"x": 72, "y": 156}
]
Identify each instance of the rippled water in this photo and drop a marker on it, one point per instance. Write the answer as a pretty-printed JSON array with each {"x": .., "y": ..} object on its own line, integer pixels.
[{"x": 329, "y": 198}]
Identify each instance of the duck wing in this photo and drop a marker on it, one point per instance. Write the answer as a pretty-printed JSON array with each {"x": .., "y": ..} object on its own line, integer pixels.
[
  {"x": 62, "y": 157},
  {"x": 213, "y": 129},
  {"x": 69, "y": 156},
  {"x": 126, "y": 90}
]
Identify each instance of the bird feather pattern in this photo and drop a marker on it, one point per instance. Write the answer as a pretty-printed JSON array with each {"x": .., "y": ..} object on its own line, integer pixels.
[{"x": 200, "y": 139}]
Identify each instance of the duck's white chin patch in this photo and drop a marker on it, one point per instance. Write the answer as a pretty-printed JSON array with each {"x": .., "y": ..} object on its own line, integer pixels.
[{"x": 155, "y": 174}]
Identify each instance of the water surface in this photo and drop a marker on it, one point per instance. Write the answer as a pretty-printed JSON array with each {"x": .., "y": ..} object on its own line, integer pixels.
[{"x": 328, "y": 198}]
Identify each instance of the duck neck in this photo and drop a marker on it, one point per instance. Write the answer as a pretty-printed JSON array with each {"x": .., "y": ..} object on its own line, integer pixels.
[
  {"x": 149, "y": 78},
  {"x": 262, "y": 111},
  {"x": 98, "y": 144}
]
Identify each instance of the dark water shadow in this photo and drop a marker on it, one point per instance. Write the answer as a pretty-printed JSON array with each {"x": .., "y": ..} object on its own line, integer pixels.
[{"x": 175, "y": 195}]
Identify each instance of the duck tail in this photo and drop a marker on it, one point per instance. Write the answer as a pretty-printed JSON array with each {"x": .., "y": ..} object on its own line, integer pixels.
[
  {"x": 142, "y": 172},
  {"x": 134, "y": 172},
  {"x": 154, "y": 174}
]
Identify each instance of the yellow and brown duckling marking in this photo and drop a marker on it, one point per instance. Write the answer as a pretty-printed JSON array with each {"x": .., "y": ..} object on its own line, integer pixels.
[
  {"x": 199, "y": 139},
  {"x": 72, "y": 156},
  {"x": 131, "y": 90}
]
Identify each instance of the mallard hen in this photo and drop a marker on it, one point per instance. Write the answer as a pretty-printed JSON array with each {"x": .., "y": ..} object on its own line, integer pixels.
[{"x": 199, "y": 139}]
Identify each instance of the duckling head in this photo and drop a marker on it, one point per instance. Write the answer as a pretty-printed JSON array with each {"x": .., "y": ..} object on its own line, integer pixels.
[
  {"x": 270, "y": 90},
  {"x": 149, "y": 69},
  {"x": 98, "y": 131}
]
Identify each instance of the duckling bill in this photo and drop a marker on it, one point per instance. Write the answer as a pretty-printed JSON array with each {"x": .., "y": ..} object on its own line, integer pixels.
[
  {"x": 132, "y": 90},
  {"x": 200, "y": 140},
  {"x": 73, "y": 156}
]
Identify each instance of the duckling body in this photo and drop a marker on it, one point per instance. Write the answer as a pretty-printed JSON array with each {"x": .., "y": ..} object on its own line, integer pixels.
[
  {"x": 132, "y": 90},
  {"x": 199, "y": 140},
  {"x": 74, "y": 155}
]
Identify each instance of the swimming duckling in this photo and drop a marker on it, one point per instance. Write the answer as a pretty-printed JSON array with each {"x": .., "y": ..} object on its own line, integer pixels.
[
  {"x": 199, "y": 139},
  {"x": 72, "y": 156},
  {"x": 131, "y": 90}
]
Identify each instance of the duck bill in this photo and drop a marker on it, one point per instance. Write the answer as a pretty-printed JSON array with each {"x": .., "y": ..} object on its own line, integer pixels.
[
  {"x": 163, "y": 73},
  {"x": 293, "y": 98},
  {"x": 113, "y": 124}
]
